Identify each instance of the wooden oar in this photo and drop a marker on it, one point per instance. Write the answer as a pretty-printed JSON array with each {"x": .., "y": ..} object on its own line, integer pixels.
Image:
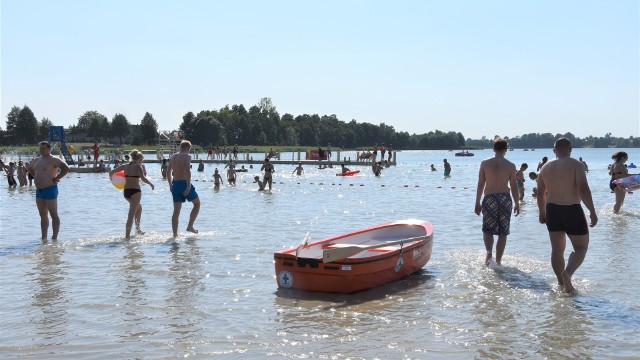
[
  {"x": 303, "y": 244},
  {"x": 330, "y": 255}
]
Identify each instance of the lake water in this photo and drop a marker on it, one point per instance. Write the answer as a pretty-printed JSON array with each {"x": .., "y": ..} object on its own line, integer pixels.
[{"x": 94, "y": 295}]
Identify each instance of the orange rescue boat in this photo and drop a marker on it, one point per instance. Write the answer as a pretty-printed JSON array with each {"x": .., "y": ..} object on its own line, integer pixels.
[{"x": 357, "y": 260}]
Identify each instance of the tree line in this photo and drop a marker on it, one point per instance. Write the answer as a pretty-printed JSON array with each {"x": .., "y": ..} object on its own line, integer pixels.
[
  {"x": 261, "y": 124},
  {"x": 23, "y": 128},
  {"x": 546, "y": 140}
]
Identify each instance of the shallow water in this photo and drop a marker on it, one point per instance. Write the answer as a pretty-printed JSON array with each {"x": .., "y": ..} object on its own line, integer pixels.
[{"x": 94, "y": 295}]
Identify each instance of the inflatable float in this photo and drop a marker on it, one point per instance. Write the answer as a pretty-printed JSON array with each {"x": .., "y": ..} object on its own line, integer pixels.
[
  {"x": 348, "y": 173},
  {"x": 118, "y": 180},
  {"x": 629, "y": 183}
]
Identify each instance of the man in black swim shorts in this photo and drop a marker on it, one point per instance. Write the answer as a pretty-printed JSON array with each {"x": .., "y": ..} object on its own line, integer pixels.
[{"x": 562, "y": 186}]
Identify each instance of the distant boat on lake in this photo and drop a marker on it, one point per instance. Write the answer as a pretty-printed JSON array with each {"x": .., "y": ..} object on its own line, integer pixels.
[{"x": 464, "y": 153}]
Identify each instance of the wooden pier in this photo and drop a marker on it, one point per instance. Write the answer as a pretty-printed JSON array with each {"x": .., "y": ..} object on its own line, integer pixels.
[{"x": 252, "y": 159}]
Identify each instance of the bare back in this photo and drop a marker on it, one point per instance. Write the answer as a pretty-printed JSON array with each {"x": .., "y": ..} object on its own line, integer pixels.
[
  {"x": 497, "y": 173},
  {"x": 180, "y": 166},
  {"x": 563, "y": 178}
]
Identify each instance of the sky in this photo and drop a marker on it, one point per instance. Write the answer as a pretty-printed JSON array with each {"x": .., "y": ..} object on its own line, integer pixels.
[{"x": 482, "y": 68}]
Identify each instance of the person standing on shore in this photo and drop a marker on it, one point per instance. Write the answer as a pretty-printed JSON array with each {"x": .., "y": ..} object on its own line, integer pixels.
[
  {"x": 497, "y": 181},
  {"x": 179, "y": 178},
  {"x": 618, "y": 170},
  {"x": 47, "y": 170},
  {"x": 562, "y": 186}
]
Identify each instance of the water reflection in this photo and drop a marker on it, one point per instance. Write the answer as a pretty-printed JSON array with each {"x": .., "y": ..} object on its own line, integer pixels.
[
  {"x": 565, "y": 332},
  {"x": 134, "y": 294},
  {"x": 50, "y": 296},
  {"x": 330, "y": 324},
  {"x": 298, "y": 308},
  {"x": 183, "y": 317}
]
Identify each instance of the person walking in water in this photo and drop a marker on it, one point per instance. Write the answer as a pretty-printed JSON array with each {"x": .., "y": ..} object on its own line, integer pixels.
[
  {"x": 133, "y": 174},
  {"x": 217, "y": 178},
  {"x": 562, "y": 186},
  {"x": 497, "y": 181},
  {"x": 618, "y": 170},
  {"x": 520, "y": 180},
  {"x": 542, "y": 162},
  {"x": 298, "y": 169},
  {"x": 179, "y": 178},
  {"x": 268, "y": 170},
  {"x": 47, "y": 170},
  {"x": 447, "y": 168}
]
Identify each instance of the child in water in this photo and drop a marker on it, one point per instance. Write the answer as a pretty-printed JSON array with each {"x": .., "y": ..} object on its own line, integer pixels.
[
  {"x": 534, "y": 176},
  {"x": 256, "y": 179}
]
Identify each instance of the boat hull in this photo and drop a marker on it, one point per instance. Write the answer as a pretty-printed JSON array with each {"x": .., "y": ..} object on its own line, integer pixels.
[{"x": 357, "y": 272}]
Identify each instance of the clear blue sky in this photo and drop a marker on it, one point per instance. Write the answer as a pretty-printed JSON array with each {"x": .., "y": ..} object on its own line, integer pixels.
[{"x": 483, "y": 68}]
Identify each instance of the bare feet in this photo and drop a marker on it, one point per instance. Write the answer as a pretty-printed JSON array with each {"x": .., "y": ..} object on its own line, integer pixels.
[
  {"x": 487, "y": 260},
  {"x": 140, "y": 232},
  {"x": 566, "y": 278},
  {"x": 191, "y": 229}
]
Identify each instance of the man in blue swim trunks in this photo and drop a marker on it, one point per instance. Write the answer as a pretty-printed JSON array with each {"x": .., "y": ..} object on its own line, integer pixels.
[
  {"x": 497, "y": 178},
  {"x": 179, "y": 178},
  {"x": 562, "y": 186},
  {"x": 47, "y": 170}
]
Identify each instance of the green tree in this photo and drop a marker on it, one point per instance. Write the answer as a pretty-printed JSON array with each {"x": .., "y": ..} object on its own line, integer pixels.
[
  {"x": 148, "y": 129},
  {"x": 94, "y": 124},
  {"x": 12, "y": 120},
  {"x": 120, "y": 126},
  {"x": 22, "y": 125},
  {"x": 43, "y": 127}
]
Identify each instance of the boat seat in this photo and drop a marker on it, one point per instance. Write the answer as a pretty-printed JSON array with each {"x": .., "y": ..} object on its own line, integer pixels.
[{"x": 339, "y": 245}]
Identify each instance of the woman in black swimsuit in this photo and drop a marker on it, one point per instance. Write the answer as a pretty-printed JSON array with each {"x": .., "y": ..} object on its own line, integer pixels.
[
  {"x": 133, "y": 173},
  {"x": 268, "y": 170},
  {"x": 618, "y": 170}
]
